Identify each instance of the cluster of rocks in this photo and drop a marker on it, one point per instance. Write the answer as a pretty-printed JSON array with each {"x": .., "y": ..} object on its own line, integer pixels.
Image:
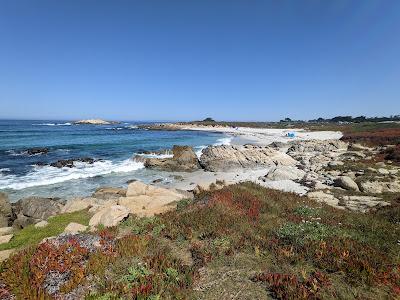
[
  {"x": 230, "y": 157},
  {"x": 69, "y": 163},
  {"x": 313, "y": 164},
  {"x": 321, "y": 166},
  {"x": 218, "y": 158},
  {"x": 36, "y": 151},
  {"x": 108, "y": 206}
]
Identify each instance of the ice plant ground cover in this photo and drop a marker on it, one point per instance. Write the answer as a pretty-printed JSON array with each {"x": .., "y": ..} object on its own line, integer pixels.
[{"x": 243, "y": 242}]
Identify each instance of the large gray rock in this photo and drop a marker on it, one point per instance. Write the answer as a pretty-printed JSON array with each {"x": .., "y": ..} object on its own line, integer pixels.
[
  {"x": 378, "y": 187},
  {"x": 285, "y": 173},
  {"x": 5, "y": 238},
  {"x": 73, "y": 228},
  {"x": 320, "y": 196},
  {"x": 318, "y": 146},
  {"x": 6, "y": 213},
  {"x": 184, "y": 160},
  {"x": 38, "y": 208},
  {"x": 362, "y": 203},
  {"x": 109, "y": 216},
  {"x": 6, "y": 230},
  {"x": 78, "y": 204},
  {"x": 230, "y": 157},
  {"x": 41, "y": 224},
  {"x": 107, "y": 193},
  {"x": 22, "y": 221},
  {"x": 5, "y": 254},
  {"x": 147, "y": 200},
  {"x": 314, "y": 155},
  {"x": 346, "y": 183}
]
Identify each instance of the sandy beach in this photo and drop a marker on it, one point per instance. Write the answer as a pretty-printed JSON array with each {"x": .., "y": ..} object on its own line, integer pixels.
[
  {"x": 255, "y": 136},
  {"x": 263, "y": 136}
]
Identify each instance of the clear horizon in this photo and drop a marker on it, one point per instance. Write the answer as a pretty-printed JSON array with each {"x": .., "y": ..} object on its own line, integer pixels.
[{"x": 170, "y": 61}]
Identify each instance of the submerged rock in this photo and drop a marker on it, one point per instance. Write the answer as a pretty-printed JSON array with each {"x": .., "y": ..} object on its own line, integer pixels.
[
  {"x": 36, "y": 151},
  {"x": 70, "y": 163}
]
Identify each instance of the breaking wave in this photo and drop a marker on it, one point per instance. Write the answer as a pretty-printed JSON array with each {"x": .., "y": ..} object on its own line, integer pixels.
[
  {"x": 45, "y": 175},
  {"x": 53, "y": 124},
  {"x": 224, "y": 141}
]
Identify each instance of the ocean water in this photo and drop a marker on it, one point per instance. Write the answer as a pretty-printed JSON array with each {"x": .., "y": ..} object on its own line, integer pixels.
[{"x": 23, "y": 175}]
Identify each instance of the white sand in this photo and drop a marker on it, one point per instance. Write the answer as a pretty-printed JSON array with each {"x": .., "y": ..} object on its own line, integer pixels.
[
  {"x": 259, "y": 136},
  {"x": 265, "y": 136}
]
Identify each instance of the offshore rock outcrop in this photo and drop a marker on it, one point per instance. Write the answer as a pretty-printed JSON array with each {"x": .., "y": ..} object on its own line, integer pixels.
[{"x": 95, "y": 122}]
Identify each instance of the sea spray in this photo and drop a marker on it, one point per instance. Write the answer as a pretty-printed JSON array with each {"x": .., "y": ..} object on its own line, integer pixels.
[{"x": 45, "y": 175}]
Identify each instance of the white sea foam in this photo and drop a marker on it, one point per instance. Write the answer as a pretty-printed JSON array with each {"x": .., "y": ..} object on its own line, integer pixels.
[
  {"x": 21, "y": 153},
  {"x": 199, "y": 150},
  {"x": 53, "y": 124},
  {"x": 167, "y": 154},
  {"x": 44, "y": 175},
  {"x": 14, "y": 153},
  {"x": 114, "y": 128},
  {"x": 224, "y": 141},
  {"x": 63, "y": 150}
]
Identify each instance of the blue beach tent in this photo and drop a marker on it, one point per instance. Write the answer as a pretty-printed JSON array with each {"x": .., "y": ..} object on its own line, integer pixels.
[{"x": 291, "y": 134}]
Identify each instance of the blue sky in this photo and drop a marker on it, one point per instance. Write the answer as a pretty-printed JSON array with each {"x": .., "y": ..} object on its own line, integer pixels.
[{"x": 182, "y": 60}]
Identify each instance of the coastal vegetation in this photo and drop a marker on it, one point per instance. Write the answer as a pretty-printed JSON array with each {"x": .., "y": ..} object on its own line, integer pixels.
[{"x": 243, "y": 241}]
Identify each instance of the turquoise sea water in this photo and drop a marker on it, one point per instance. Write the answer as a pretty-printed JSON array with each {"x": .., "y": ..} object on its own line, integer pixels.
[{"x": 24, "y": 175}]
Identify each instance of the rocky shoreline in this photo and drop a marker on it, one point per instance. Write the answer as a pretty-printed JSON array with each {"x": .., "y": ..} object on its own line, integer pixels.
[{"x": 331, "y": 171}]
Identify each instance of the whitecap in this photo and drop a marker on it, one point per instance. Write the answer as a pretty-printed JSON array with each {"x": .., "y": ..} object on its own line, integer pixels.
[
  {"x": 15, "y": 153},
  {"x": 199, "y": 150},
  {"x": 224, "y": 141},
  {"x": 22, "y": 153},
  {"x": 167, "y": 154},
  {"x": 53, "y": 124},
  {"x": 44, "y": 124},
  {"x": 45, "y": 175}
]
